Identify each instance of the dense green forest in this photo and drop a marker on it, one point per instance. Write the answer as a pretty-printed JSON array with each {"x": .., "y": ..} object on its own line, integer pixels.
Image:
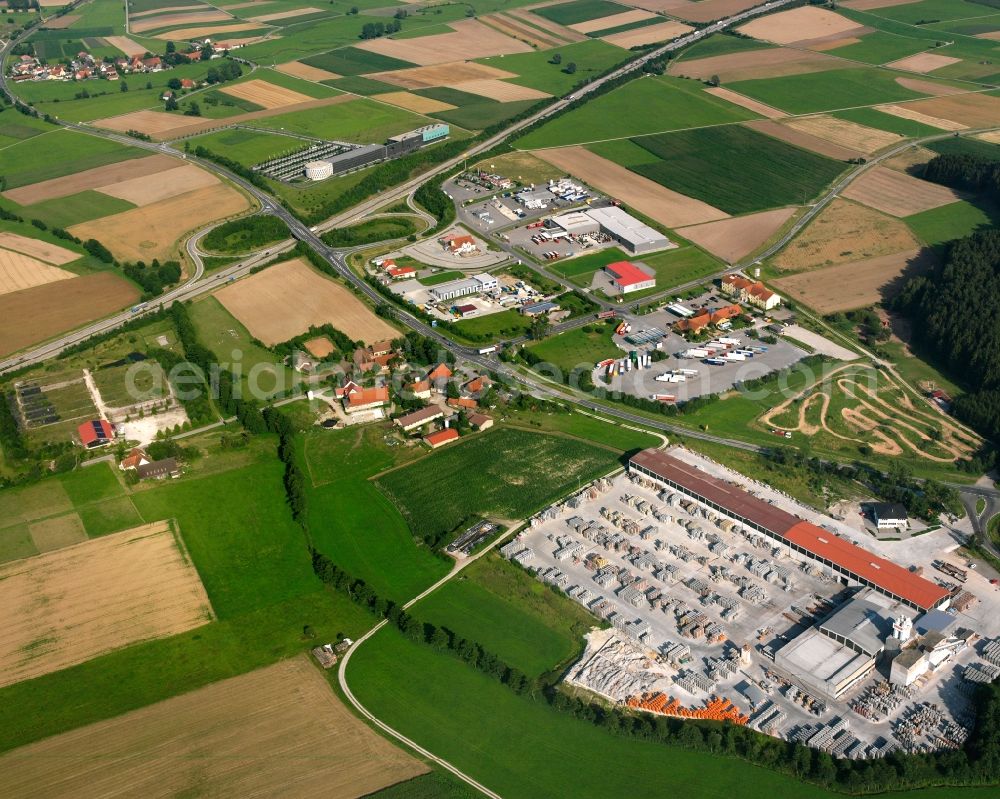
[{"x": 955, "y": 312}]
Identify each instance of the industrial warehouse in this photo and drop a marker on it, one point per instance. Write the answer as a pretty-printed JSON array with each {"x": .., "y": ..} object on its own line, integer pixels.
[
  {"x": 634, "y": 235},
  {"x": 724, "y": 603},
  {"x": 324, "y": 159}
]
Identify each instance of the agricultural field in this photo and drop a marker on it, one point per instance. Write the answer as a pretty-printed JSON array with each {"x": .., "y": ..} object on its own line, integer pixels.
[
  {"x": 352, "y": 522},
  {"x": 536, "y": 70},
  {"x": 77, "y": 602},
  {"x": 737, "y": 237},
  {"x": 286, "y": 299},
  {"x": 298, "y": 740},
  {"x": 938, "y": 226},
  {"x": 507, "y": 474},
  {"x": 772, "y": 173},
  {"x": 668, "y": 103},
  {"x": 498, "y": 605}
]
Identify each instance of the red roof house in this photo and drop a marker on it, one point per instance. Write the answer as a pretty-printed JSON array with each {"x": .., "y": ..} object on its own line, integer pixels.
[
  {"x": 627, "y": 277},
  {"x": 96, "y": 433},
  {"x": 441, "y": 437}
]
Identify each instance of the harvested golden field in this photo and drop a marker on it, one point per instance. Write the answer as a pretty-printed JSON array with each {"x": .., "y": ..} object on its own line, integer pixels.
[
  {"x": 469, "y": 39},
  {"x": 973, "y": 110},
  {"x": 169, "y": 183},
  {"x": 650, "y": 34},
  {"x": 844, "y": 232},
  {"x": 855, "y": 284},
  {"x": 413, "y": 102},
  {"x": 734, "y": 238},
  {"x": 923, "y": 62},
  {"x": 518, "y": 29},
  {"x": 165, "y": 20},
  {"x": 90, "y": 179},
  {"x": 911, "y": 113},
  {"x": 209, "y": 30},
  {"x": 60, "y": 23},
  {"x": 73, "y": 604},
  {"x": 125, "y": 44},
  {"x": 655, "y": 201},
  {"x": 910, "y": 158},
  {"x": 801, "y": 139},
  {"x": 832, "y": 44},
  {"x": 36, "y": 248},
  {"x": 299, "y": 70},
  {"x": 319, "y": 347},
  {"x": 851, "y": 135},
  {"x": 57, "y": 532},
  {"x": 267, "y": 95},
  {"x": 286, "y": 299},
  {"x": 612, "y": 21},
  {"x": 36, "y": 314},
  {"x": 500, "y": 90},
  {"x": 993, "y": 137},
  {"x": 705, "y": 10},
  {"x": 746, "y": 102},
  {"x": 451, "y": 74},
  {"x": 658, "y": 6},
  {"x": 277, "y": 731},
  {"x": 897, "y": 193},
  {"x": 18, "y": 271},
  {"x": 991, "y": 35},
  {"x": 162, "y": 126},
  {"x": 153, "y": 231},
  {"x": 775, "y": 62},
  {"x": 551, "y": 28},
  {"x": 294, "y": 12},
  {"x": 799, "y": 25}
]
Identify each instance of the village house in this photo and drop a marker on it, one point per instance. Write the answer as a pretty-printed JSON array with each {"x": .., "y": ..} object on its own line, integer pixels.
[
  {"x": 698, "y": 322},
  {"x": 134, "y": 460},
  {"x": 750, "y": 292},
  {"x": 441, "y": 437},
  {"x": 366, "y": 399},
  {"x": 420, "y": 389}
]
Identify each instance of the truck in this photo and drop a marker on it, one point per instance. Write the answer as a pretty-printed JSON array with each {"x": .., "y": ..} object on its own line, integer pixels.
[
  {"x": 734, "y": 356},
  {"x": 610, "y": 314},
  {"x": 745, "y": 353},
  {"x": 668, "y": 377},
  {"x": 715, "y": 361},
  {"x": 686, "y": 372},
  {"x": 695, "y": 352},
  {"x": 663, "y": 397},
  {"x": 488, "y": 350},
  {"x": 732, "y": 341}
]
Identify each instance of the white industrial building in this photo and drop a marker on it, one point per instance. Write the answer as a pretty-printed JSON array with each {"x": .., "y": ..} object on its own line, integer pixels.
[
  {"x": 625, "y": 229},
  {"x": 463, "y": 287},
  {"x": 889, "y": 516}
]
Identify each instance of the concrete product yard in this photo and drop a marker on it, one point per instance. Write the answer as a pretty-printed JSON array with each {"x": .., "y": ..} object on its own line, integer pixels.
[
  {"x": 709, "y": 379},
  {"x": 698, "y": 605}
]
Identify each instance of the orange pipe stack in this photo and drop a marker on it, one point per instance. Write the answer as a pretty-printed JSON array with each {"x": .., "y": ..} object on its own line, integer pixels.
[{"x": 716, "y": 709}]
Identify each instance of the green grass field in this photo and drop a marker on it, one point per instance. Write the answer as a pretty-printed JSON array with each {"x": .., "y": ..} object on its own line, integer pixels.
[
  {"x": 880, "y": 48},
  {"x": 352, "y": 522},
  {"x": 520, "y": 619},
  {"x": 360, "y": 120},
  {"x": 666, "y": 103},
  {"x": 231, "y": 343},
  {"x": 882, "y": 121},
  {"x": 953, "y": 221},
  {"x": 580, "y": 270},
  {"x": 502, "y": 324},
  {"x": 721, "y": 44},
  {"x": 579, "y": 11},
  {"x": 674, "y": 267},
  {"x": 247, "y": 146},
  {"x": 582, "y": 347},
  {"x": 592, "y": 58},
  {"x": 505, "y": 473},
  {"x": 482, "y": 115},
  {"x": 62, "y": 152},
  {"x": 771, "y": 173},
  {"x": 825, "y": 91},
  {"x": 440, "y": 277},
  {"x": 352, "y": 61},
  {"x": 75, "y": 208},
  {"x": 938, "y": 10}
]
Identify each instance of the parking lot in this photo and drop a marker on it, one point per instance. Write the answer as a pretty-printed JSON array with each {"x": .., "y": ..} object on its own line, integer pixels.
[{"x": 708, "y": 378}]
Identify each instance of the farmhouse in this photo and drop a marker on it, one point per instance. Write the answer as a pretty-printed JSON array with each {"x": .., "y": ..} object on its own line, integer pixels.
[
  {"x": 751, "y": 292},
  {"x": 439, "y": 376},
  {"x": 627, "y": 277},
  {"x": 348, "y": 388},
  {"x": 463, "y": 287},
  {"x": 480, "y": 421},
  {"x": 698, "y": 322},
  {"x": 421, "y": 389},
  {"x": 889, "y": 516},
  {"x": 458, "y": 244},
  {"x": 463, "y": 402},
  {"x": 441, "y": 437},
  {"x": 478, "y": 384},
  {"x": 412, "y": 421},
  {"x": 855, "y": 565},
  {"x": 95, "y": 433},
  {"x": 134, "y": 459},
  {"x": 401, "y": 272},
  {"x": 158, "y": 470},
  {"x": 366, "y": 399}
]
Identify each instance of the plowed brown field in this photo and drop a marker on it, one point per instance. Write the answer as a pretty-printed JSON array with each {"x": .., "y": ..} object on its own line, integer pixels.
[
  {"x": 851, "y": 135},
  {"x": 451, "y": 74},
  {"x": 36, "y": 248},
  {"x": 286, "y": 299},
  {"x": 267, "y": 95},
  {"x": 469, "y": 39},
  {"x": 800, "y": 139},
  {"x": 650, "y": 34},
  {"x": 798, "y": 25},
  {"x": 772, "y": 63},
  {"x": 72, "y": 604},
  {"x": 923, "y": 62},
  {"x": 299, "y": 70},
  {"x": 277, "y": 731},
  {"x": 897, "y": 193},
  {"x": 90, "y": 179},
  {"x": 166, "y": 20},
  {"x": 732, "y": 239},
  {"x": 169, "y": 183}
]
